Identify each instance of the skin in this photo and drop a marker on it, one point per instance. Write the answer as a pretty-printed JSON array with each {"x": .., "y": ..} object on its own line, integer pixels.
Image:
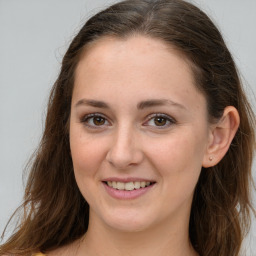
[{"x": 127, "y": 141}]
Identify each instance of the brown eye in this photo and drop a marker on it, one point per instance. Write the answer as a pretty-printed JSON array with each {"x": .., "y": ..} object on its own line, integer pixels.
[
  {"x": 98, "y": 120},
  {"x": 160, "y": 121},
  {"x": 95, "y": 121}
]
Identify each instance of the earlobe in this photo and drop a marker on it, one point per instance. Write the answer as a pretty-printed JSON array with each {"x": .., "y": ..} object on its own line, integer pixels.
[{"x": 221, "y": 136}]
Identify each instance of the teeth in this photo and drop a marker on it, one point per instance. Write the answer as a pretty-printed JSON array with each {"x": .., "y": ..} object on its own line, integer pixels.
[
  {"x": 137, "y": 184},
  {"x": 114, "y": 185},
  {"x": 143, "y": 184},
  {"x": 128, "y": 185},
  {"x": 120, "y": 185}
]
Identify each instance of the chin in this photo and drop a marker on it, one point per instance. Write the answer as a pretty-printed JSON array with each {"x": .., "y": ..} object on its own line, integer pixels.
[
  {"x": 128, "y": 226},
  {"x": 127, "y": 222}
]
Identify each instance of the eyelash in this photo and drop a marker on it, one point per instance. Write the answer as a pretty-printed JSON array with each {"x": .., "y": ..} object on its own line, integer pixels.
[
  {"x": 170, "y": 121},
  {"x": 85, "y": 120}
]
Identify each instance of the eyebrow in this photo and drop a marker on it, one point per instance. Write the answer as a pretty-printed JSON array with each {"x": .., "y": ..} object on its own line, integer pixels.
[
  {"x": 141, "y": 105},
  {"x": 92, "y": 103},
  {"x": 158, "y": 102}
]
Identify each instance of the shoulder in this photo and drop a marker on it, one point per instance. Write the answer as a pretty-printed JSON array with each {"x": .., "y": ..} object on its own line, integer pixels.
[{"x": 65, "y": 250}]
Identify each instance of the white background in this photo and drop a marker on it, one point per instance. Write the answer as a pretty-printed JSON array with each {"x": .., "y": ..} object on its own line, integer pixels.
[{"x": 34, "y": 35}]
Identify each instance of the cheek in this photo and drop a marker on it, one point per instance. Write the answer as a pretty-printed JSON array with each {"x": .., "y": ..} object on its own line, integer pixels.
[
  {"x": 181, "y": 149},
  {"x": 178, "y": 159},
  {"x": 179, "y": 167},
  {"x": 86, "y": 158},
  {"x": 85, "y": 153}
]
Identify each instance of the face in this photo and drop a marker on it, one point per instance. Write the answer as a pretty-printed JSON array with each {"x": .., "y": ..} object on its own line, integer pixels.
[{"x": 138, "y": 133}]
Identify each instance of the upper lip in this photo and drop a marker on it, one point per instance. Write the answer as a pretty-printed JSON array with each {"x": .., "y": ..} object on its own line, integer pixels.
[{"x": 128, "y": 179}]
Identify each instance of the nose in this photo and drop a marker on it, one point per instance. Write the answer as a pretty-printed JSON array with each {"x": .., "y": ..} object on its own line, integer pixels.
[{"x": 125, "y": 150}]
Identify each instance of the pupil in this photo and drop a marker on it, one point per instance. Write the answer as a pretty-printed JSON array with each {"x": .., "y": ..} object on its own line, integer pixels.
[
  {"x": 159, "y": 121},
  {"x": 98, "y": 120}
]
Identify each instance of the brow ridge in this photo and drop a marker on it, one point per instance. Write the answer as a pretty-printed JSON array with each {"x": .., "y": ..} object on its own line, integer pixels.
[
  {"x": 93, "y": 103},
  {"x": 141, "y": 105},
  {"x": 158, "y": 102}
]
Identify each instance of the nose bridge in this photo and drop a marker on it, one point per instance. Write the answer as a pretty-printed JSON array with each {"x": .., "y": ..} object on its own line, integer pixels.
[
  {"x": 124, "y": 136},
  {"x": 125, "y": 149}
]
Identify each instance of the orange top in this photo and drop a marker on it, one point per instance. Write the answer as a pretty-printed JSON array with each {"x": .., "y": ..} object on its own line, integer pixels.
[{"x": 39, "y": 254}]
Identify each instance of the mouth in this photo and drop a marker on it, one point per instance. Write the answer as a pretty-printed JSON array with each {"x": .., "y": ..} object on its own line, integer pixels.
[{"x": 128, "y": 186}]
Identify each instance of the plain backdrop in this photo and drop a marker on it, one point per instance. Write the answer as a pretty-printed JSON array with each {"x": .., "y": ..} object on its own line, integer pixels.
[{"x": 34, "y": 35}]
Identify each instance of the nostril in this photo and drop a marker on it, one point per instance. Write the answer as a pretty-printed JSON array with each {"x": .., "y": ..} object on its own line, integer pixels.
[{"x": 124, "y": 158}]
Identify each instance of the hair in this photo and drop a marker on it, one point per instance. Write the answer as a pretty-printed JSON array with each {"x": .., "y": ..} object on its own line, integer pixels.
[{"x": 55, "y": 212}]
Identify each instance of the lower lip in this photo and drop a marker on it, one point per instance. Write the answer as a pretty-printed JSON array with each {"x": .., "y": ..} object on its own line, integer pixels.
[{"x": 125, "y": 194}]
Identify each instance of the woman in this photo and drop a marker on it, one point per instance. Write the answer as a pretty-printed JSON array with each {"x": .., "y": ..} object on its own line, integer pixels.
[{"x": 148, "y": 141}]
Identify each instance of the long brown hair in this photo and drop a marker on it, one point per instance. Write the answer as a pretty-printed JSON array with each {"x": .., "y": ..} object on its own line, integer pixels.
[{"x": 55, "y": 213}]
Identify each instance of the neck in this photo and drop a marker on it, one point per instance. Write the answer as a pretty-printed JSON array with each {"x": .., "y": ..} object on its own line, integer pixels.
[{"x": 163, "y": 239}]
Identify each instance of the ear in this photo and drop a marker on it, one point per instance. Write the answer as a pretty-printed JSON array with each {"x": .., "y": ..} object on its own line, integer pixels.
[{"x": 221, "y": 136}]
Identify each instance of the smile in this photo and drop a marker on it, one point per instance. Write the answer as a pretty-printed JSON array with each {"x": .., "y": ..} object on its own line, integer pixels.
[{"x": 128, "y": 186}]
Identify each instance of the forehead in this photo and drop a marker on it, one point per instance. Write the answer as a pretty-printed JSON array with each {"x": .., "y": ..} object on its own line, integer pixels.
[
  {"x": 138, "y": 66},
  {"x": 139, "y": 51}
]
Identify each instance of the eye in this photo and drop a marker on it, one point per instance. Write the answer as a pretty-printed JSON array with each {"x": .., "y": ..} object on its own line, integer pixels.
[
  {"x": 160, "y": 121},
  {"x": 95, "y": 121}
]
